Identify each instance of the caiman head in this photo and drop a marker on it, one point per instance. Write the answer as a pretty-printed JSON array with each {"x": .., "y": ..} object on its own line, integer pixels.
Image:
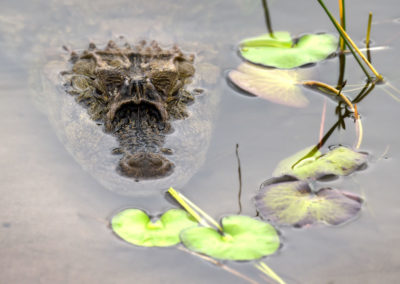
[{"x": 135, "y": 92}]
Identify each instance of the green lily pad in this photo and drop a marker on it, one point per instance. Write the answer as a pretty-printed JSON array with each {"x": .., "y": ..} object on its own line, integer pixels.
[
  {"x": 340, "y": 161},
  {"x": 278, "y": 86},
  {"x": 135, "y": 226},
  {"x": 293, "y": 203},
  {"x": 244, "y": 239},
  {"x": 281, "y": 52}
]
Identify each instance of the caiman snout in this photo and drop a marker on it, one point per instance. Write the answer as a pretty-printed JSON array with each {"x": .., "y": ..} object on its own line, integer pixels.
[{"x": 145, "y": 165}]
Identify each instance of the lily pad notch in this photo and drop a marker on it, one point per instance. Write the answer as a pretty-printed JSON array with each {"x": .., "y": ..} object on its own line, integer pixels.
[
  {"x": 243, "y": 238},
  {"x": 136, "y": 227},
  {"x": 239, "y": 237}
]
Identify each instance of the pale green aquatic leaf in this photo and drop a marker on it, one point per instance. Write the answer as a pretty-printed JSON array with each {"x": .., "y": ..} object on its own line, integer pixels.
[
  {"x": 293, "y": 203},
  {"x": 340, "y": 161},
  {"x": 280, "y": 39},
  {"x": 135, "y": 226},
  {"x": 244, "y": 239},
  {"x": 278, "y": 86},
  {"x": 281, "y": 53},
  {"x": 285, "y": 167}
]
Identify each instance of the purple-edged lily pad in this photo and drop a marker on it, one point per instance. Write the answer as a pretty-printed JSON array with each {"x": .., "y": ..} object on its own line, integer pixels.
[{"x": 294, "y": 203}]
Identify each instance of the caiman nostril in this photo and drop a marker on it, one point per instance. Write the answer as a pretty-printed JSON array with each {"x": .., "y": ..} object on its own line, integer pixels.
[
  {"x": 145, "y": 166},
  {"x": 155, "y": 161}
]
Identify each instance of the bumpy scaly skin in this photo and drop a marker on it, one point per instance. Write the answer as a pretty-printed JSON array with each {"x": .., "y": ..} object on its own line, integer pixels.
[{"x": 134, "y": 92}]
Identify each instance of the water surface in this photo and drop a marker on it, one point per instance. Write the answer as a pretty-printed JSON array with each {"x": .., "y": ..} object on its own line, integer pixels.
[{"x": 54, "y": 216}]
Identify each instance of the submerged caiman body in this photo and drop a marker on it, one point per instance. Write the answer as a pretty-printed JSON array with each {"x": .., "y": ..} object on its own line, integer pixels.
[
  {"x": 133, "y": 93},
  {"x": 138, "y": 118}
]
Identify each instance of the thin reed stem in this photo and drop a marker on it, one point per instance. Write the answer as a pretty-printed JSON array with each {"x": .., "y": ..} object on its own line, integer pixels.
[
  {"x": 351, "y": 45},
  {"x": 367, "y": 39},
  {"x": 342, "y": 13},
  {"x": 191, "y": 208}
]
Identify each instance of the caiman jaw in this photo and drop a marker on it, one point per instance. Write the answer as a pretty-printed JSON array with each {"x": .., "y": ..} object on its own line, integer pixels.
[{"x": 157, "y": 108}]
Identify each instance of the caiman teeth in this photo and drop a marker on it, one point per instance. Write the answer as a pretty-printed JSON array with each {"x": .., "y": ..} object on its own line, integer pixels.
[{"x": 163, "y": 114}]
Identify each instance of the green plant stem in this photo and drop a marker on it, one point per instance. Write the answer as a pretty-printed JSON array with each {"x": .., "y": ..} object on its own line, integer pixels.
[
  {"x": 204, "y": 214},
  {"x": 319, "y": 145},
  {"x": 346, "y": 39},
  {"x": 350, "y": 43},
  {"x": 367, "y": 39},
  {"x": 330, "y": 89},
  {"x": 368, "y": 30},
  {"x": 192, "y": 208},
  {"x": 267, "y": 18},
  {"x": 342, "y": 11},
  {"x": 182, "y": 202},
  {"x": 364, "y": 92},
  {"x": 342, "y": 57}
]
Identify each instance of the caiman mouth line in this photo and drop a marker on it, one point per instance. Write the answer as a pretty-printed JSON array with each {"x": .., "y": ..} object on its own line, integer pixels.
[{"x": 130, "y": 110}]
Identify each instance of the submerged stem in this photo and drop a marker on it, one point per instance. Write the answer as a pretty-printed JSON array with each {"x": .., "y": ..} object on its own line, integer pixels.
[
  {"x": 359, "y": 128},
  {"x": 342, "y": 68},
  {"x": 220, "y": 265},
  {"x": 240, "y": 179},
  {"x": 321, "y": 127},
  {"x": 269, "y": 272}
]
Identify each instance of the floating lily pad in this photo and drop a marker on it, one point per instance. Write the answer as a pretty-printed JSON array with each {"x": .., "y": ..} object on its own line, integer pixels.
[
  {"x": 293, "y": 203},
  {"x": 135, "y": 226},
  {"x": 340, "y": 161},
  {"x": 244, "y": 239},
  {"x": 278, "y": 86},
  {"x": 281, "y": 52}
]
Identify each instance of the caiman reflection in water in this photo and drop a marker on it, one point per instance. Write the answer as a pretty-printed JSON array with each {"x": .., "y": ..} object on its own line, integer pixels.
[{"x": 134, "y": 92}]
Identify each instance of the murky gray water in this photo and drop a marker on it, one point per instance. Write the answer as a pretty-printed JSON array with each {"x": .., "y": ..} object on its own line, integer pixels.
[{"x": 54, "y": 216}]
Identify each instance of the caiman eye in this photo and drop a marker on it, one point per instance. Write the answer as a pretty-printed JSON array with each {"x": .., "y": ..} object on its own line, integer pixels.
[
  {"x": 110, "y": 79},
  {"x": 164, "y": 80}
]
